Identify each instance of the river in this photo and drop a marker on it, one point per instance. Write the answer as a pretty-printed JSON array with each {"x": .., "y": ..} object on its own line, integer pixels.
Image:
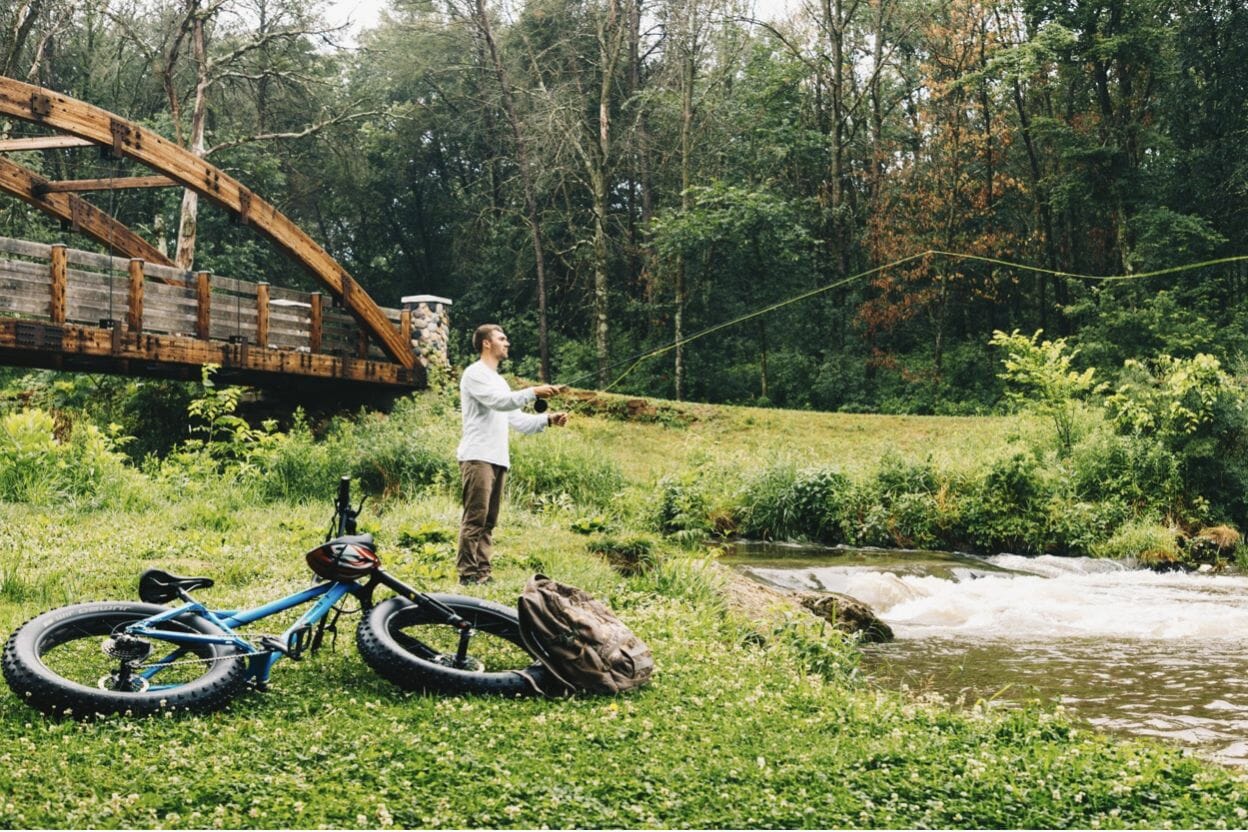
[{"x": 1127, "y": 650}]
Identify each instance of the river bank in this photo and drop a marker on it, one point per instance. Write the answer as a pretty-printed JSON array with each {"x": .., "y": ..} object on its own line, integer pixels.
[
  {"x": 757, "y": 724},
  {"x": 1121, "y": 648}
]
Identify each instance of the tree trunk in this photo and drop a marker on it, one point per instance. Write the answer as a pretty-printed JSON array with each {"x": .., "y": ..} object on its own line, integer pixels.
[
  {"x": 188, "y": 224},
  {"x": 688, "y": 77},
  {"x": 526, "y": 179}
]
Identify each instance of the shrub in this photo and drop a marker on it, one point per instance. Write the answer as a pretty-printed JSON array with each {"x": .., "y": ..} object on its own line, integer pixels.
[
  {"x": 396, "y": 455},
  {"x": 1138, "y": 471},
  {"x": 1077, "y": 527},
  {"x": 1006, "y": 509},
  {"x": 46, "y": 459},
  {"x": 782, "y": 503},
  {"x": 1200, "y": 414},
  {"x": 294, "y": 466},
  {"x": 1038, "y": 375},
  {"x": 682, "y": 504},
  {"x": 1148, "y": 542}
]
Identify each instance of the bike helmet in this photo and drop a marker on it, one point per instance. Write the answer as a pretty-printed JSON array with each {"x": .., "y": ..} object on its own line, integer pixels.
[{"x": 344, "y": 558}]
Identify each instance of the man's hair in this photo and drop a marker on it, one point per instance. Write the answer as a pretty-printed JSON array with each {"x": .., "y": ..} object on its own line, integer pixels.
[{"x": 484, "y": 333}]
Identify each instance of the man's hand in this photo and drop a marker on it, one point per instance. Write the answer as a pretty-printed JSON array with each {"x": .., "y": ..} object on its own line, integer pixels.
[
  {"x": 557, "y": 420},
  {"x": 545, "y": 391}
]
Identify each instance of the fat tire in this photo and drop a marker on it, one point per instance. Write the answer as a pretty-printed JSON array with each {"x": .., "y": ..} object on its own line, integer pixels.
[
  {"x": 41, "y": 688},
  {"x": 387, "y": 650}
]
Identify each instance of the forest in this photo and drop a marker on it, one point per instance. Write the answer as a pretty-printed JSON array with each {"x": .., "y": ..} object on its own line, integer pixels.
[{"x": 608, "y": 177}]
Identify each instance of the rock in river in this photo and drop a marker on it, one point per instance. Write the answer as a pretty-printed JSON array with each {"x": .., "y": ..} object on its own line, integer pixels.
[{"x": 848, "y": 615}]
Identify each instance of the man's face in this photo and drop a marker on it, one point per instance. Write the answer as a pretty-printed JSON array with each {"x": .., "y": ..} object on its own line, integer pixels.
[{"x": 497, "y": 345}]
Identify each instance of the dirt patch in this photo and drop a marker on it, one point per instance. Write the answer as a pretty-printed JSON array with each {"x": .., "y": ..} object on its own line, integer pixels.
[{"x": 625, "y": 408}]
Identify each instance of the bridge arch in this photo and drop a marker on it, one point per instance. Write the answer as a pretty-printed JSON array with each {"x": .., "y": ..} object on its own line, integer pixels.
[{"x": 85, "y": 121}]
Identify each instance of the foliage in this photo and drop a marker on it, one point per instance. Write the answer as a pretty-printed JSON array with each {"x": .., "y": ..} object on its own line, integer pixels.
[
  {"x": 1200, "y": 414},
  {"x": 1147, "y": 542},
  {"x": 556, "y": 464},
  {"x": 47, "y": 459},
  {"x": 782, "y": 502},
  {"x": 1040, "y": 376}
]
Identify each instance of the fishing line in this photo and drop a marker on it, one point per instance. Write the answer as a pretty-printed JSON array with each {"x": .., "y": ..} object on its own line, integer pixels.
[{"x": 636, "y": 360}]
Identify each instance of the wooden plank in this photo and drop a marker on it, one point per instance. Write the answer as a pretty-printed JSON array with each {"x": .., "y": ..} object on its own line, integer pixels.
[
  {"x": 87, "y": 341},
  {"x": 25, "y": 248},
  {"x": 134, "y": 299},
  {"x": 262, "y": 314},
  {"x": 154, "y": 322},
  {"x": 103, "y": 262},
  {"x": 315, "y": 326},
  {"x": 203, "y": 294},
  {"x": 59, "y": 281},
  {"x": 26, "y": 305},
  {"x": 405, "y": 325},
  {"x": 42, "y": 143},
  {"x": 30, "y": 271},
  {"x": 118, "y": 183},
  {"x": 228, "y": 285}
]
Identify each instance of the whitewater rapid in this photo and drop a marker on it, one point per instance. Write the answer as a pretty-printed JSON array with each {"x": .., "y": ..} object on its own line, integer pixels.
[{"x": 1041, "y": 598}]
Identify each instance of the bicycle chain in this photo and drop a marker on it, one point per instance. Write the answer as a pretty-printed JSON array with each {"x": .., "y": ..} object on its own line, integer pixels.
[{"x": 162, "y": 665}]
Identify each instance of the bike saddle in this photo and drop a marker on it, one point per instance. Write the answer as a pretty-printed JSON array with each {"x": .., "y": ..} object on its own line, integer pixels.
[{"x": 157, "y": 586}]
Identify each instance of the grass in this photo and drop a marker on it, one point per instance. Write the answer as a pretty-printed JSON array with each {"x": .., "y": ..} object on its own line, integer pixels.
[{"x": 746, "y": 724}]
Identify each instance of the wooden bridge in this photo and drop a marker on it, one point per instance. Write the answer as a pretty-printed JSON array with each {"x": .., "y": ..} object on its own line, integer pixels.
[{"x": 136, "y": 313}]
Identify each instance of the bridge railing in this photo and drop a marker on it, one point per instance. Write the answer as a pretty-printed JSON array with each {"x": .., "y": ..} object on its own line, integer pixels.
[{"x": 64, "y": 285}]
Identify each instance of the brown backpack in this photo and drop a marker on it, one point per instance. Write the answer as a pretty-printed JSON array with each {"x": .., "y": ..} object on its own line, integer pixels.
[{"x": 579, "y": 640}]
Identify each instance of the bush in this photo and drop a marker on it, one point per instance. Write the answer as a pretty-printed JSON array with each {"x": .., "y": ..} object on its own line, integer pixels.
[
  {"x": 783, "y": 503},
  {"x": 1077, "y": 527},
  {"x": 296, "y": 467},
  {"x": 48, "y": 459},
  {"x": 683, "y": 505},
  {"x": 1151, "y": 543},
  {"x": 1198, "y": 412},
  {"x": 904, "y": 504},
  {"x": 1137, "y": 471},
  {"x": 1006, "y": 509}
]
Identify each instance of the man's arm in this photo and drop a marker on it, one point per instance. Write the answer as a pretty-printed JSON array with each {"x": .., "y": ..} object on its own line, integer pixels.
[
  {"x": 527, "y": 422},
  {"x": 494, "y": 396}
]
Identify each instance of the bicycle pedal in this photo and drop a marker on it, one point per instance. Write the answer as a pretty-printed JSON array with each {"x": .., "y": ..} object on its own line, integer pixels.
[{"x": 275, "y": 645}]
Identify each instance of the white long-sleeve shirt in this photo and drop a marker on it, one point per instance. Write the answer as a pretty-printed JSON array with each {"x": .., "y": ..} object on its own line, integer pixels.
[{"x": 488, "y": 406}]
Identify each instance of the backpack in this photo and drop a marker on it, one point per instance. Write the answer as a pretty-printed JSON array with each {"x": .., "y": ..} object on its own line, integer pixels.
[{"x": 579, "y": 640}]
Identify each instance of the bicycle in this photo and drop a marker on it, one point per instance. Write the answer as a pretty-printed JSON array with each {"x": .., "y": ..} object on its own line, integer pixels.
[{"x": 96, "y": 658}]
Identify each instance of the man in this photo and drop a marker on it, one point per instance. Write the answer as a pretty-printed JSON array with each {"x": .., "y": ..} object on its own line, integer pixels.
[{"x": 488, "y": 406}]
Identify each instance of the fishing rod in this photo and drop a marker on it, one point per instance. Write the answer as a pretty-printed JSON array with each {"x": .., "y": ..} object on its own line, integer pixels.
[{"x": 635, "y": 360}]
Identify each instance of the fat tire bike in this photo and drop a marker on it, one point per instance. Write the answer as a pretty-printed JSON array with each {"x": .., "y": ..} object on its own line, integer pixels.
[{"x": 118, "y": 657}]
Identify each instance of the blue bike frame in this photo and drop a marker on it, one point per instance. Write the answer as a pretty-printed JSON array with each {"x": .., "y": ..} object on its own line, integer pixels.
[{"x": 260, "y": 661}]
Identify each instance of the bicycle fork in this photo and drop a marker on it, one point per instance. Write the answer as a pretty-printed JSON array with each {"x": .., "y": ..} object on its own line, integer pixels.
[{"x": 463, "y": 625}]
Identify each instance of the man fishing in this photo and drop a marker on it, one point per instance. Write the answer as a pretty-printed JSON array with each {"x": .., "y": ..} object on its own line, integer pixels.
[{"x": 488, "y": 406}]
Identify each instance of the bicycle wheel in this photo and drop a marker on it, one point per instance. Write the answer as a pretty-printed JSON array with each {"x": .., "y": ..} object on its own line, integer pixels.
[
  {"x": 71, "y": 661},
  {"x": 413, "y": 646}
]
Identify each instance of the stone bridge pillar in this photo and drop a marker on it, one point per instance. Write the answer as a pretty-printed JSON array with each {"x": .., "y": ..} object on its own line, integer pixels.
[{"x": 431, "y": 328}]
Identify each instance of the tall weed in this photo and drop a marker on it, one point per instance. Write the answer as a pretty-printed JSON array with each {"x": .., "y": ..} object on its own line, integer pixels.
[
  {"x": 44, "y": 460},
  {"x": 557, "y": 463}
]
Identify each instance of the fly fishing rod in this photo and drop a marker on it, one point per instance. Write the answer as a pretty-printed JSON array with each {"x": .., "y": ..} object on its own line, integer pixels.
[{"x": 636, "y": 360}]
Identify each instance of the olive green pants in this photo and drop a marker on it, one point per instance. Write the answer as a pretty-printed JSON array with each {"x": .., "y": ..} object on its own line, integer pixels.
[{"x": 482, "y": 494}]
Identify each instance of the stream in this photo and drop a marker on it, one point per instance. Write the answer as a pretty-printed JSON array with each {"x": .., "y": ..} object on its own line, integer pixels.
[{"x": 1126, "y": 650}]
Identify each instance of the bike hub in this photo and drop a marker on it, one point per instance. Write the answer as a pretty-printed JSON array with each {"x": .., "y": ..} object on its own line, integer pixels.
[{"x": 126, "y": 648}]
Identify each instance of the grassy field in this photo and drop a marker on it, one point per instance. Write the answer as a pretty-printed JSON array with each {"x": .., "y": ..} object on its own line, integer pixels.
[
  {"x": 747, "y": 723},
  {"x": 755, "y": 437}
]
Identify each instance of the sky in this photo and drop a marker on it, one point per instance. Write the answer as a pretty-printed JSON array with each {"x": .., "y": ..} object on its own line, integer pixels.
[{"x": 364, "y": 14}]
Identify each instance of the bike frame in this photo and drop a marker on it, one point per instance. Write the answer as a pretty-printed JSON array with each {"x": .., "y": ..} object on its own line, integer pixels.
[{"x": 260, "y": 661}]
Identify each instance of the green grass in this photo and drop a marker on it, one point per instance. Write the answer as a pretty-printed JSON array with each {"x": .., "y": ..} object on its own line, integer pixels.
[{"x": 745, "y": 725}]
